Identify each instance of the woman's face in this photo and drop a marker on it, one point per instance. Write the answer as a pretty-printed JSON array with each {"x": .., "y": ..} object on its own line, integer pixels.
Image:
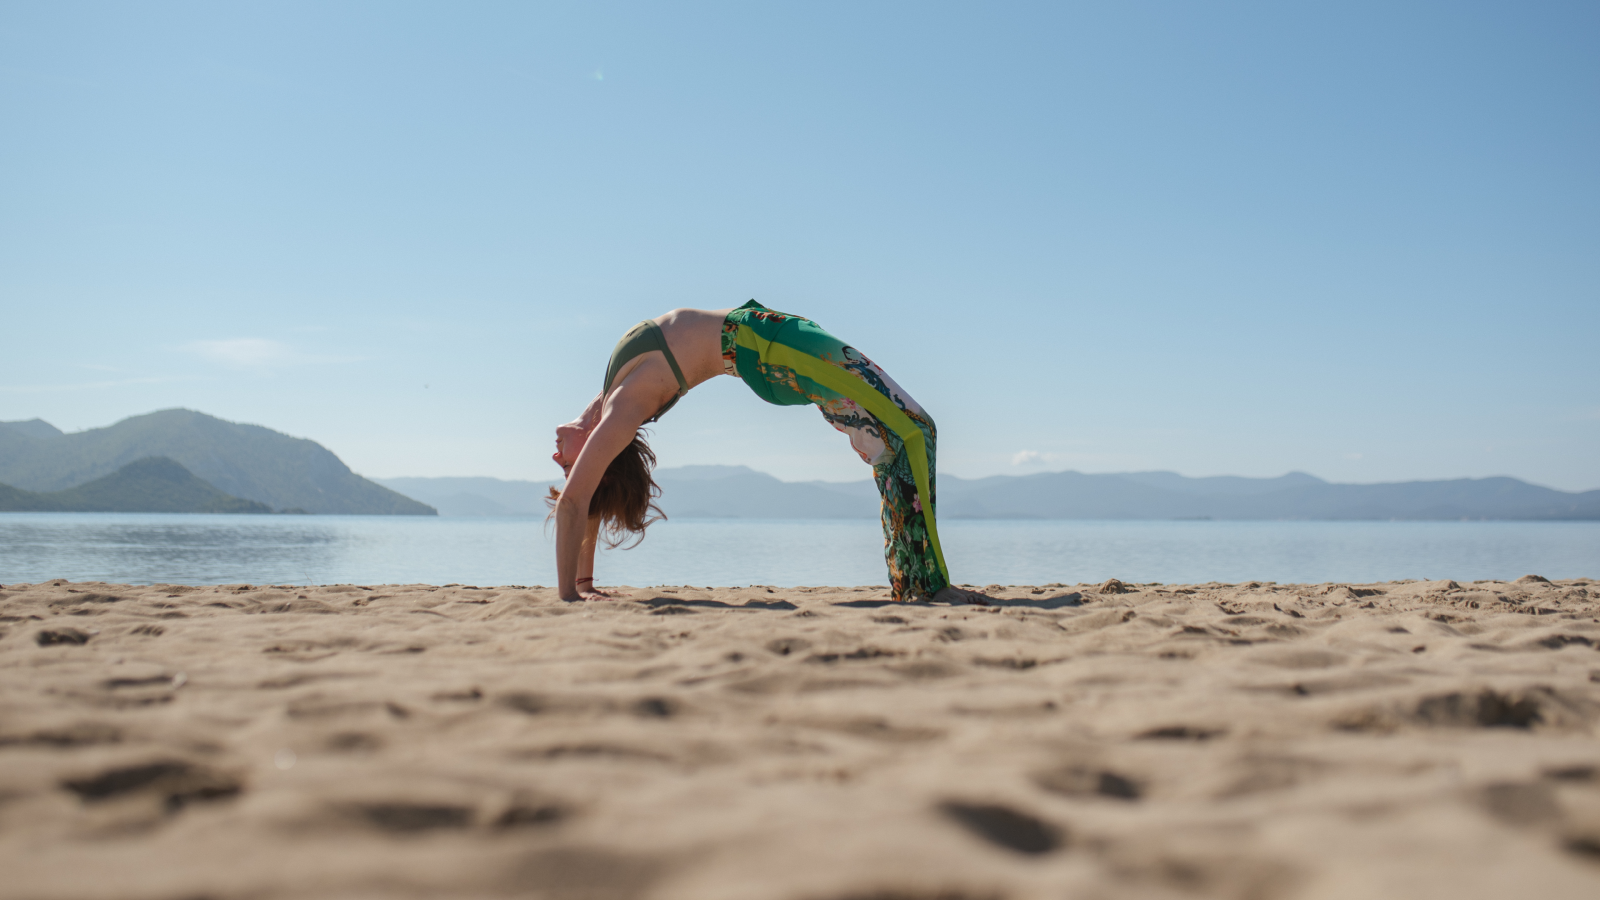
[{"x": 569, "y": 443}]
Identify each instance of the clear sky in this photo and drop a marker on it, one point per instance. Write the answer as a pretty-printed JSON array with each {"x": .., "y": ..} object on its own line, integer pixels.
[{"x": 1356, "y": 239}]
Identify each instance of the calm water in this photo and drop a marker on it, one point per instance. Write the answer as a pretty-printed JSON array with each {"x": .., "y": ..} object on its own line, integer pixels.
[{"x": 198, "y": 549}]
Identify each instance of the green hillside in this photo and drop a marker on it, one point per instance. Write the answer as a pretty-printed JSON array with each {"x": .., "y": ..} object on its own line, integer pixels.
[
  {"x": 154, "y": 484},
  {"x": 244, "y": 461},
  {"x": 13, "y": 500}
]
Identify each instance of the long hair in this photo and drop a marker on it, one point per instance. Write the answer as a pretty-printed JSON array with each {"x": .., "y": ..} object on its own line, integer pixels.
[{"x": 625, "y": 499}]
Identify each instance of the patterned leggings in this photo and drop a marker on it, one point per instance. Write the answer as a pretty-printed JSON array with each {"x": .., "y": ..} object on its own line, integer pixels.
[
  {"x": 913, "y": 568},
  {"x": 790, "y": 360}
]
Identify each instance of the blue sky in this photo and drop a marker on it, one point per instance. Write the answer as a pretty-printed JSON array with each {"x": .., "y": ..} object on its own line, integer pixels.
[{"x": 1356, "y": 239}]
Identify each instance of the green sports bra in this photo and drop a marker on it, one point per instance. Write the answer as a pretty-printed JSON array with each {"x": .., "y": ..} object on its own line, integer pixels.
[{"x": 643, "y": 338}]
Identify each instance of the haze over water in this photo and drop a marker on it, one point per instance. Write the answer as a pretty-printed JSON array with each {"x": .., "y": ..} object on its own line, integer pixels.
[{"x": 188, "y": 549}]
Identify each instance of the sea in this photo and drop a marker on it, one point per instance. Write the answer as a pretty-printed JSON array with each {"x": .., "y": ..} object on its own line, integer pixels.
[{"x": 224, "y": 549}]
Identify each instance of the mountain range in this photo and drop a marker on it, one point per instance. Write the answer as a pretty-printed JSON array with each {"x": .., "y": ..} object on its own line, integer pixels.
[
  {"x": 741, "y": 492},
  {"x": 237, "y": 461},
  {"x": 152, "y": 484},
  {"x": 178, "y": 460}
]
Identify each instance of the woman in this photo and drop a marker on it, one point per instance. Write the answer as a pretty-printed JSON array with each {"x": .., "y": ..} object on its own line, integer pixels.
[{"x": 785, "y": 359}]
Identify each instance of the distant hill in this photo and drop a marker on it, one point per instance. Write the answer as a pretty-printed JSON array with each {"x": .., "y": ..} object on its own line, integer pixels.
[
  {"x": 478, "y": 496},
  {"x": 740, "y": 492},
  {"x": 743, "y": 493},
  {"x": 242, "y": 461},
  {"x": 153, "y": 484},
  {"x": 1166, "y": 495},
  {"x": 686, "y": 492},
  {"x": 34, "y": 428}
]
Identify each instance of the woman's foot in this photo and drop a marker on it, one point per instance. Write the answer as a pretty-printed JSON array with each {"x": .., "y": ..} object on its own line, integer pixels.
[{"x": 953, "y": 594}]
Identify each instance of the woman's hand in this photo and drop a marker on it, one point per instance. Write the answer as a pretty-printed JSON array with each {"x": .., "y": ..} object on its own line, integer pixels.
[
  {"x": 586, "y": 590},
  {"x": 594, "y": 593}
]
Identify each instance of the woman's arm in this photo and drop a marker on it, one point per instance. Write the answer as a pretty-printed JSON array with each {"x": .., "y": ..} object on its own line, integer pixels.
[
  {"x": 591, "y": 543},
  {"x": 620, "y": 417},
  {"x": 591, "y": 537}
]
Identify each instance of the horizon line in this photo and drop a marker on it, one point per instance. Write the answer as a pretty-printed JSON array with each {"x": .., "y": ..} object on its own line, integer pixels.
[{"x": 1026, "y": 475}]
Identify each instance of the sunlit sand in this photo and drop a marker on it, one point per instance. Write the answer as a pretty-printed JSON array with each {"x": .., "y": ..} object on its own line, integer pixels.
[{"x": 1423, "y": 739}]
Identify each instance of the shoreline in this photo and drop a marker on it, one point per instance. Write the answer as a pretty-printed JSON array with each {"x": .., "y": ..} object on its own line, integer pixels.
[{"x": 1255, "y": 740}]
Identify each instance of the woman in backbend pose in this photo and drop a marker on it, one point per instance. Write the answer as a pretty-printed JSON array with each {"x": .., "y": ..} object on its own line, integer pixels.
[{"x": 786, "y": 360}]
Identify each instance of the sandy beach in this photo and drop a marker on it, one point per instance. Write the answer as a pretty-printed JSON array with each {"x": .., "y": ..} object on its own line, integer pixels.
[{"x": 1414, "y": 739}]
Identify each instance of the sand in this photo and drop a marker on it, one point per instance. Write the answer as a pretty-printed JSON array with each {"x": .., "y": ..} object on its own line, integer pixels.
[{"x": 1421, "y": 739}]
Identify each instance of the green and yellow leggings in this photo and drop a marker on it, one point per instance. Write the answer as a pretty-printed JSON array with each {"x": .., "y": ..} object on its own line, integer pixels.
[{"x": 790, "y": 360}]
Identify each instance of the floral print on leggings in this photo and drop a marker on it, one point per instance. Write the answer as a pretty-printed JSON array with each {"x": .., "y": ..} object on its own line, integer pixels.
[{"x": 913, "y": 568}]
